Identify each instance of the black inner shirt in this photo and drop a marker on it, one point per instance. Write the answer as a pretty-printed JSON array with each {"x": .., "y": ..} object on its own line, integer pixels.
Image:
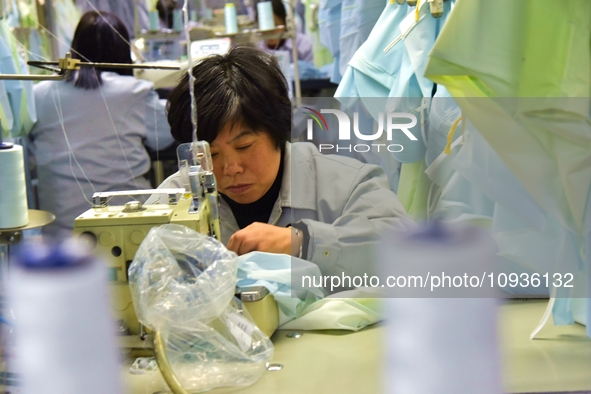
[{"x": 260, "y": 210}]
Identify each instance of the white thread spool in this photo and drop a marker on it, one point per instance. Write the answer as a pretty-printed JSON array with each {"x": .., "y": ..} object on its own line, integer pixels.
[
  {"x": 65, "y": 341},
  {"x": 265, "y": 15},
  {"x": 13, "y": 191},
  {"x": 435, "y": 344},
  {"x": 231, "y": 19}
]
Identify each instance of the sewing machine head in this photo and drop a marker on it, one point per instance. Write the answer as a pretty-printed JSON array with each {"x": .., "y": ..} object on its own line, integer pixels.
[{"x": 115, "y": 232}]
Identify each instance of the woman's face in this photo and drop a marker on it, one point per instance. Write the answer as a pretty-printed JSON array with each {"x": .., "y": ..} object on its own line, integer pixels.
[{"x": 245, "y": 163}]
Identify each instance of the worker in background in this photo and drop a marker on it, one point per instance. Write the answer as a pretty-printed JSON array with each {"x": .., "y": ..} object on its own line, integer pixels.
[
  {"x": 165, "y": 8},
  {"x": 92, "y": 127},
  {"x": 277, "y": 196},
  {"x": 303, "y": 41}
]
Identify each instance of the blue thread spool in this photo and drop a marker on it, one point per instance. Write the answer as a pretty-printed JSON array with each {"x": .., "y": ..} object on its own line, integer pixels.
[
  {"x": 154, "y": 21},
  {"x": 230, "y": 16},
  {"x": 265, "y": 13},
  {"x": 177, "y": 20}
]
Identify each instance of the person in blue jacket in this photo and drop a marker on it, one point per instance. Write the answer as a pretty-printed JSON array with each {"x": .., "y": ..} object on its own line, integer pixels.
[{"x": 93, "y": 128}]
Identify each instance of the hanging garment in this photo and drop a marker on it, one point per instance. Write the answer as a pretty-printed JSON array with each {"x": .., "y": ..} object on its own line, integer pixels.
[
  {"x": 329, "y": 22},
  {"x": 306, "y": 307},
  {"x": 7, "y": 89},
  {"x": 542, "y": 132},
  {"x": 20, "y": 93},
  {"x": 322, "y": 55},
  {"x": 358, "y": 17}
]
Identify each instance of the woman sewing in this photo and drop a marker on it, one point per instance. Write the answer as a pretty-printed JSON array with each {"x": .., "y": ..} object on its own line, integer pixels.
[{"x": 276, "y": 196}]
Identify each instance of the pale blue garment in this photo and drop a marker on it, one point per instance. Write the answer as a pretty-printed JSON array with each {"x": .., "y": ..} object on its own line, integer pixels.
[
  {"x": 24, "y": 103},
  {"x": 14, "y": 88},
  {"x": 28, "y": 112},
  {"x": 411, "y": 86},
  {"x": 347, "y": 310},
  {"x": 12, "y": 16},
  {"x": 329, "y": 22},
  {"x": 463, "y": 190},
  {"x": 307, "y": 308},
  {"x": 358, "y": 17},
  {"x": 395, "y": 56},
  {"x": 308, "y": 71},
  {"x": 66, "y": 20},
  {"x": 525, "y": 234},
  {"x": 372, "y": 73}
]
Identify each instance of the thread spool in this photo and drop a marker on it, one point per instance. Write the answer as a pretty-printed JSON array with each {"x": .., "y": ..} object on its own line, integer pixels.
[
  {"x": 431, "y": 337},
  {"x": 177, "y": 20},
  {"x": 230, "y": 17},
  {"x": 64, "y": 334},
  {"x": 13, "y": 191},
  {"x": 154, "y": 21},
  {"x": 265, "y": 15}
]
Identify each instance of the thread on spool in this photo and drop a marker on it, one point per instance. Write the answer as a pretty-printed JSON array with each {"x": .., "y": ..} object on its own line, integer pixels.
[
  {"x": 65, "y": 340},
  {"x": 154, "y": 21},
  {"x": 230, "y": 17},
  {"x": 14, "y": 211},
  {"x": 265, "y": 15},
  {"x": 177, "y": 20}
]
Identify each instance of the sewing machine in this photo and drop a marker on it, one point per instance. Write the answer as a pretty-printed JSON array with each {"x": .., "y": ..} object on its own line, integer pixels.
[{"x": 116, "y": 232}]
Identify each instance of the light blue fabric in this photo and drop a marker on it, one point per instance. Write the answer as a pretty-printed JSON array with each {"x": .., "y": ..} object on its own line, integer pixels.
[
  {"x": 14, "y": 88},
  {"x": 112, "y": 155},
  {"x": 358, "y": 17},
  {"x": 391, "y": 63},
  {"x": 329, "y": 22},
  {"x": 280, "y": 274},
  {"x": 20, "y": 93},
  {"x": 308, "y": 71},
  {"x": 307, "y": 308}
]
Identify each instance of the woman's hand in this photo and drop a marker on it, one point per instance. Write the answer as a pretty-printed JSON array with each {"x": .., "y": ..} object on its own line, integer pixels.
[{"x": 263, "y": 237}]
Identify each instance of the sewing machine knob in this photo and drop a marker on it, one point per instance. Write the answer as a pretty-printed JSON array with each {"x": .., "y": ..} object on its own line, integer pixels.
[{"x": 137, "y": 237}]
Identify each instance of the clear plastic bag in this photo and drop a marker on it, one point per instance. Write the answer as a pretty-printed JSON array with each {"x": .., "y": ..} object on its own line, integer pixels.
[{"x": 182, "y": 284}]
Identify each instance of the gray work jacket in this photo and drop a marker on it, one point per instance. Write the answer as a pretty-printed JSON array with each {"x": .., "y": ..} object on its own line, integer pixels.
[{"x": 345, "y": 204}]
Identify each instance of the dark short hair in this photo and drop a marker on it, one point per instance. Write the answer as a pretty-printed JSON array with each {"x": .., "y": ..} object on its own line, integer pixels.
[
  {"x": 245, "y": 85},
  {"x": 99, "y": 37},
  {"x": 279, "y": 9}
]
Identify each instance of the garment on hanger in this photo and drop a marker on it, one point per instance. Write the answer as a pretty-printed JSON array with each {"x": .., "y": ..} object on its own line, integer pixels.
[
  {"x": 533, "y": 110},
  {"x": 20, "y": 93}
]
